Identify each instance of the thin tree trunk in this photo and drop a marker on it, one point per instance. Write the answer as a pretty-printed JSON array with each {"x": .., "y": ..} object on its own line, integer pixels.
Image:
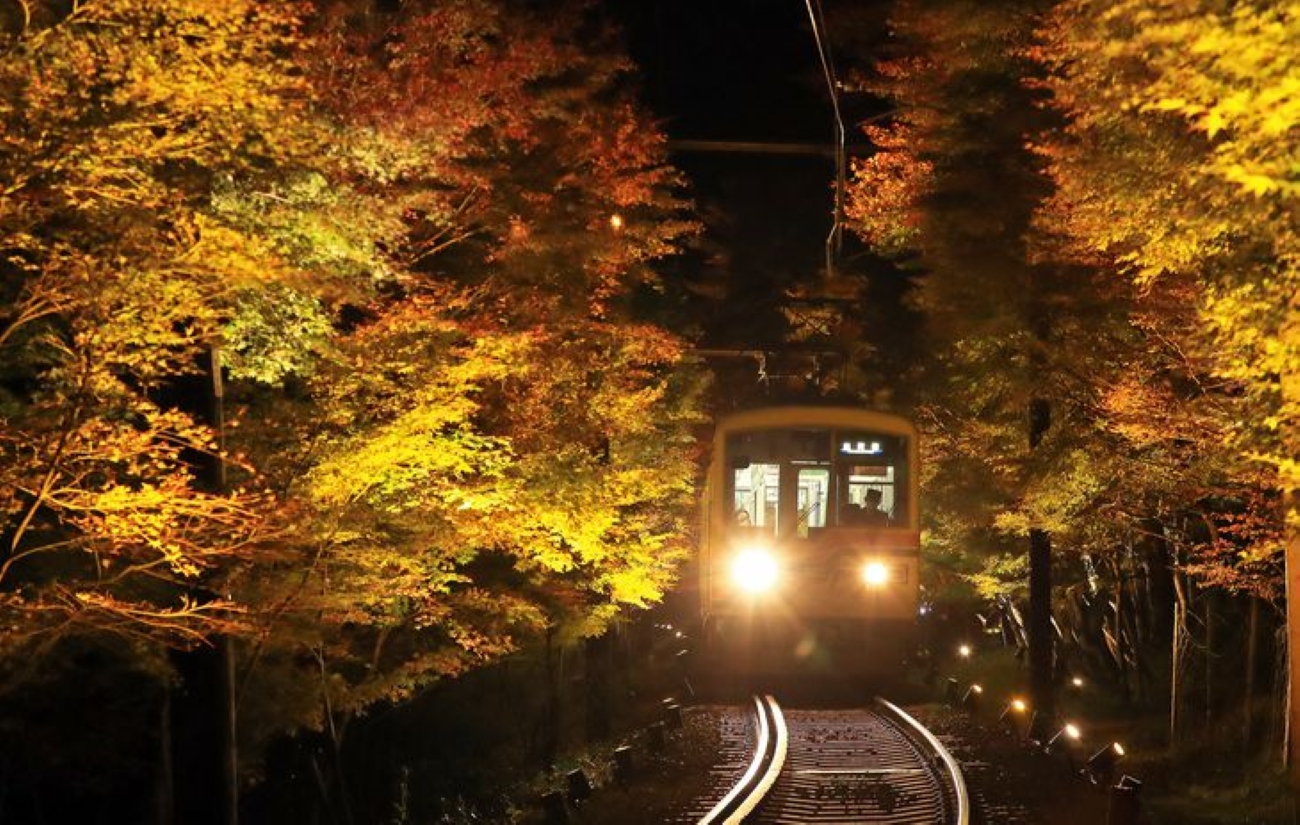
[
  {"x": 1041, "y": 680},
  {"x": 1278, "y": 694},
  {"x": 230, "y": 731},
  {"x": 166, "y": 802},
  {"x": 1291, "y": 743},
  {"x": 551, "y": 713},
  {"x": 228, "y": 691},
  {"x": 1176, "y": 663},
  {"x": 1121, "y": 618},
  {"x": 1252, "y": 662},
  {"x": 336, "y": 738},
  {"x": 1211, "y": 639}
]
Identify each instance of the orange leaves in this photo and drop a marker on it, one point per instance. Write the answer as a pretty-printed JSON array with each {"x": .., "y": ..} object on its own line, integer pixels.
[{"x": 887, "y": 189}]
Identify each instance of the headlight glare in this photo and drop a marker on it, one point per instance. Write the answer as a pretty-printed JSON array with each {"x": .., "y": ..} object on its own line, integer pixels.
[
  {"x": 875, "y": 574},
  {"x": 754, "y": 570}
]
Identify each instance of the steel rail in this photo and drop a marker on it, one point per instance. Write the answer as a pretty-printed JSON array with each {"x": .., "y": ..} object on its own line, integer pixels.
[
  {"x": 961, "y": 815},
  {"x": 769, "y": 758}
]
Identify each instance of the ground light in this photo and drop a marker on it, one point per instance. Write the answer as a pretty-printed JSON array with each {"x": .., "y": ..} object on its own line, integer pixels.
[
  {"x": 971, "y": 701},
  {"x": 1100, "y": 767},
  {"x": 1014, "y": 708},
  {"x": 1064, "y": 738},
  {"x": 951, "y": 687}
]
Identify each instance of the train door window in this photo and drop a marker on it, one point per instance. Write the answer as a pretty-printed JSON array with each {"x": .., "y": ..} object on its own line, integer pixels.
[
  {"x": 814, "y": 498},
  {"x": 756, "y": 496}
]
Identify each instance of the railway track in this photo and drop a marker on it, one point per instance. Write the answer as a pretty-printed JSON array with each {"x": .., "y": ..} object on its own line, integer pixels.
[{"x": 865, "y": 765}]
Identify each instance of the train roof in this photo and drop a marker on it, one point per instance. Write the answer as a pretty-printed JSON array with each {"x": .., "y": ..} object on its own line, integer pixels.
[{"x": 794, "y": 416}]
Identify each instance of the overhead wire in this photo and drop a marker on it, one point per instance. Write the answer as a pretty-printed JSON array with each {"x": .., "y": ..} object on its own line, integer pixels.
[{"x": 834, "y": 240}]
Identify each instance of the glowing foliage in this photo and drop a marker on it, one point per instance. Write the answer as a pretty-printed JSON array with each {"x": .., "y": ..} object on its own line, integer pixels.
[
  {"x": 448, "y": 429},
  {"x": 1204, "y": 99}
]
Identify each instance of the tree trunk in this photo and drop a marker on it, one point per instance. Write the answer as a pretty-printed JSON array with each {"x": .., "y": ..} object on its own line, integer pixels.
[
  {"x": 166, "y": 801},
  {"x": 551, "y": 712},
  {"x": 1176, "y": 664},
  {"x": 597, "y": 654},
  {"x": 1211, "y": 639},
  {"x": 230, "y": 731},
  {"x": 1041, "y": 680},
  {"x": 1121, "y": 619},
  {"x": 1252, "y": 663},
  {"x": 1289, "y": 482},
  {"x": 1290, "y": 740},
  {"x": 230, "y": 716}
]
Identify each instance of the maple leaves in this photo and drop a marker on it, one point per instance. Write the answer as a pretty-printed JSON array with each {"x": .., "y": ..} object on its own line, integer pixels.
[
  {"x": 448, "y": 427},
  {"x": 1212, "y": 247}
]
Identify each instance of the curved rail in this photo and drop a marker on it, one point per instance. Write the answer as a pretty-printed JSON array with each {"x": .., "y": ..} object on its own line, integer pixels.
[
  {"x": 962, "y": 813},
  {"x": 769, "y": 758}
]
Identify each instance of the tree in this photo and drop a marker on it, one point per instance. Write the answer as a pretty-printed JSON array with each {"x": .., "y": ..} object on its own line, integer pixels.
[
  {"x": 452, "y": 436},
  {"x": 1214, "y": 119},
  {"x": 952, "y": 192},
  {"x": 117, "y": 279},
  {"x": 489, "y": 448}
]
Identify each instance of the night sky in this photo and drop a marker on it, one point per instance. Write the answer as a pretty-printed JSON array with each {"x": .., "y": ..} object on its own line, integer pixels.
[
  {"x": 749, "y": 71},
  {"x": 729, "y": 70}
]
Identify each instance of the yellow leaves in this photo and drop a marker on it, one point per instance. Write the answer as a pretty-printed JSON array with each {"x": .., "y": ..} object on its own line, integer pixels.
[{"x": 1252, "y": 182}]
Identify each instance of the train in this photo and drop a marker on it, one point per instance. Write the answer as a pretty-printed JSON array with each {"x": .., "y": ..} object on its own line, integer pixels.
[{"x": 809, "y": 555}]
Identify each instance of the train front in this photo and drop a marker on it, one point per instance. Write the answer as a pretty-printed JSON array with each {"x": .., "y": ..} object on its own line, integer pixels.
[{"x": 810, "y": 560}]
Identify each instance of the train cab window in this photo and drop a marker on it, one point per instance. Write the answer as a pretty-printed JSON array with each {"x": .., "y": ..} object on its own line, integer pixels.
[
  {"x": 756, "y": 492},
  {"x": 872, "y": 476}
]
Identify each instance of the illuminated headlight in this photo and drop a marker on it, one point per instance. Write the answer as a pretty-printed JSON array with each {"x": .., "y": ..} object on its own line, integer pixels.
[
  {"x": 875, "y": 574},
  {"x": 754, "y": 570}
]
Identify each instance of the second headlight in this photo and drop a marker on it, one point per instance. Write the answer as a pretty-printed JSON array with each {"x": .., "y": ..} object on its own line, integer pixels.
[{"x": 875, "y": 574}]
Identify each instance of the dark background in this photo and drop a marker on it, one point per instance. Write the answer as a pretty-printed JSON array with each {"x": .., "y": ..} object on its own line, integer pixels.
[{"x": 749, "y": 71}]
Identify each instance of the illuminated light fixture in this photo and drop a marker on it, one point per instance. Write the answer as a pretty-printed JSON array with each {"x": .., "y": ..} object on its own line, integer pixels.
[
  {"x": 1077, "y": 682},
  {"x": 861, "y": 448},
  {"x": 754, "y": 570},
  {"x": 964, "y": 651},
  {"x": 1100, "y": 767},
  {"x": 950, "y": 691},
  {"x": 1064, "y": 738},
  {"x": 1016, "y": 707},
  {"x": 875, "y": 573},
  {"x": 971, "y": 701},
  {"x": 616, "y": 222}
]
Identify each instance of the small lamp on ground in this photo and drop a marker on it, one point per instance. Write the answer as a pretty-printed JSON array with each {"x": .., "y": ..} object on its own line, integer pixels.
[
  {"x": 971, "y": 701},
  {"x": 1124, "y": 802},
  {"x": 950, "y": 690},
  {"x": 1013, "y": 713},
  {"x": 1064, "y": 740},
  {"x": 1040, "y": 727},
  {"x": 1100, "y": 767}
]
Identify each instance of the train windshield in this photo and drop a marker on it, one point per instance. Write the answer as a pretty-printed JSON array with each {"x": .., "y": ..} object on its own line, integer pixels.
[{"x": 799, "y": 481}]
